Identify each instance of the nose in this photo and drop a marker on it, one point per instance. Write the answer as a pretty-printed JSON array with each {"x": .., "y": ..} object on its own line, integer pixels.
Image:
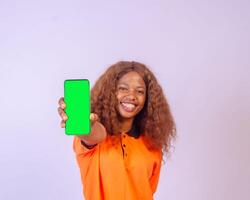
[{"x": 132, "y": 95}]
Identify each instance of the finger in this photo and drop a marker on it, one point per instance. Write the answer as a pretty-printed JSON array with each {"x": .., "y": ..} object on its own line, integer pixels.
[
  {"x": 65, "y": 117},
  {"x": 60, "y": 111},
  {"x": 94, "y": 117},
  {"x": 61, "y": 103},
  {"x": 62, "y": 124},
  {"x": 91, "y": 116},
  {"x": 61, "y": 100},
  {"x": 62, "y": 114}
]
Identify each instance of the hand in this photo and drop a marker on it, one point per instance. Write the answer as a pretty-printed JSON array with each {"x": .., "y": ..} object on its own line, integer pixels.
[
  {"x": 98, "y": 131},
  {"x": 61, "y": 112},
  {"x": 93, "y": 117}
]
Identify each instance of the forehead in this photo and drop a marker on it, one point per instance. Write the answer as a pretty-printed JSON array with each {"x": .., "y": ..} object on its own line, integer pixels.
[{"x": 131, "y": 78}]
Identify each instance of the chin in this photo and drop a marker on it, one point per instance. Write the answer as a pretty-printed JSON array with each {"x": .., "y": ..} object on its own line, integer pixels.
[{"x": 124, "y": 116}]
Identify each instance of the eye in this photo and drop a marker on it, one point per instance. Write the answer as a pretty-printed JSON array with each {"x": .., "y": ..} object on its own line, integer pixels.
[
  {"x": 121, "y": 88},
  {"x": 140, "y": 92}
]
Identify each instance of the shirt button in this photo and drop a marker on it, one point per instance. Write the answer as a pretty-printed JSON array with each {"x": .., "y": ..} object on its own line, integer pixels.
[
  {"x": 124, "y": 145},
  {"x": 124, "y": 136}
]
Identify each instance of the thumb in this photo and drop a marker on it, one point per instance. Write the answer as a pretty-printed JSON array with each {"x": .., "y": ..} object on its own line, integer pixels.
[{"x": 93, "y": 118}]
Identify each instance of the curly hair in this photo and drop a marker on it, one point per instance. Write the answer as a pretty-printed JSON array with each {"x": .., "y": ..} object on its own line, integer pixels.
[{"x": 155, "y": 120}]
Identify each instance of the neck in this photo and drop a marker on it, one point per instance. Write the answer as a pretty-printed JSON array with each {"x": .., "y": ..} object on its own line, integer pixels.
[{"x": 126, "y": 124}]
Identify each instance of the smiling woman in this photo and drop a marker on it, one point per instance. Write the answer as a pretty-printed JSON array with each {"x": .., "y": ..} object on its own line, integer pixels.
[
  {"x": 131, "y": 97},
  {"x": 132, "y": 127}
]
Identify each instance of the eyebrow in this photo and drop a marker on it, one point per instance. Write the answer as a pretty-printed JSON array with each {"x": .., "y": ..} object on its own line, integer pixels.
[{"x": 128, "y": 85}]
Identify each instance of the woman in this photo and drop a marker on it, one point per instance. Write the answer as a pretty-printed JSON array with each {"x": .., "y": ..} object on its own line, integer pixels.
[{"x": 131, "y": 128}]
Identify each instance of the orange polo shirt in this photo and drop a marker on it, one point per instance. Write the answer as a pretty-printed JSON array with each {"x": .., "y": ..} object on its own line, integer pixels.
[{"x": 126, "y": 171}]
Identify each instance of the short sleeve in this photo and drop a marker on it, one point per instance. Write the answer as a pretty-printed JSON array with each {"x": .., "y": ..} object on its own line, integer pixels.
[
  {"x": 81, "y": 150},
  {"x": 156, "y": 173}
]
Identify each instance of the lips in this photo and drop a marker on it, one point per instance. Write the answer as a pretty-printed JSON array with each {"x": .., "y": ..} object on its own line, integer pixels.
[{"x": 128, "y": 106}]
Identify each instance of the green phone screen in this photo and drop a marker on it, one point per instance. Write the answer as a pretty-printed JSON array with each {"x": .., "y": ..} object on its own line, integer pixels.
[{"x": 77, "y": 100}]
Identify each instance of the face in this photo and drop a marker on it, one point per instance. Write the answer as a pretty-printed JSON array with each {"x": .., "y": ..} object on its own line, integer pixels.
[{"x": 131, "y": 95}]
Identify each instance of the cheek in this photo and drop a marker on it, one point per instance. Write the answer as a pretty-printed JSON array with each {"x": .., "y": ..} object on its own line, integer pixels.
[
  {"x": 118, "y": 97},
  {"x": 141, "y": 101}
]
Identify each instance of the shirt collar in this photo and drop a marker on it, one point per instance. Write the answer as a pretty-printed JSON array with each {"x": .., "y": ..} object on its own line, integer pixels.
[{"x": 134, "y": 132}]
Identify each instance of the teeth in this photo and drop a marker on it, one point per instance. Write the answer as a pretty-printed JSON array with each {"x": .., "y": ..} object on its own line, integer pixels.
[{"x": 129, "y": 105}]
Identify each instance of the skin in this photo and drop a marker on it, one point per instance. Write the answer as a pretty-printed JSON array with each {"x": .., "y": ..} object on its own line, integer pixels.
[{"x": 130, "y": 89}]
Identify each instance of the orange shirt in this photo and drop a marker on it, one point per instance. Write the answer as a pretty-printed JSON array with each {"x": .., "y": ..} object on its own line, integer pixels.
[{"x": 128, "y": 171}]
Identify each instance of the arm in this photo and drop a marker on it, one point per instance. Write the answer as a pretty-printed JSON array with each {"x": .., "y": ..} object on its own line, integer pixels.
[
  {"x": 98, "y": 133},
  {"x": 154, "y": 179}
]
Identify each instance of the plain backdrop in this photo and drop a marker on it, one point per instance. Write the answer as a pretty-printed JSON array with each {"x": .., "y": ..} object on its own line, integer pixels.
[{"x": 199, "y": 51}]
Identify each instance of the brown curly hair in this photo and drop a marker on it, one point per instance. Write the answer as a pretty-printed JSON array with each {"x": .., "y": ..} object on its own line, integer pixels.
[{"x": 155, "y": 120}]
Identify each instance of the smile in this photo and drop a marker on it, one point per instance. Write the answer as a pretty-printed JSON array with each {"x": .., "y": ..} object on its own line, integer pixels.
[{"x": 129, "y": 107}]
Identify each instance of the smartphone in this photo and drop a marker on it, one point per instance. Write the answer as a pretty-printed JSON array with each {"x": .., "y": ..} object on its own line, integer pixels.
[{"x": 77, "y": 100}]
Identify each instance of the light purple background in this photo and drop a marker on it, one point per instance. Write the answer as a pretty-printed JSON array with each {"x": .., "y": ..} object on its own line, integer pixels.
[{"x": 199, "y": 50}]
